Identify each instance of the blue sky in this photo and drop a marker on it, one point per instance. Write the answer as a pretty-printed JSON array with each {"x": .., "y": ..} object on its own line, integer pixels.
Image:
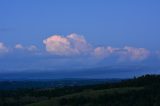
[
  {"x": 122, "y": 25},
  {"x": 115, "y": 23}
]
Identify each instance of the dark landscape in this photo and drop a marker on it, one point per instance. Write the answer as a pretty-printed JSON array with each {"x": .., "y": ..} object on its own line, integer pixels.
[
  {"x": 79, "y": 52},
  {"x": 140, "y": 91}
]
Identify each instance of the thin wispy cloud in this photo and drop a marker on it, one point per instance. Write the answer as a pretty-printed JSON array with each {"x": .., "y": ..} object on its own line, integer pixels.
[{"x": 32, "y": 48}]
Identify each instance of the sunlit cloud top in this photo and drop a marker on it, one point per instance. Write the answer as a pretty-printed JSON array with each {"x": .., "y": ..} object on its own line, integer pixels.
[
  {"x": 74, "y": 44},
  {"x": 72, "y": 49},
  {"x": 77, "y": 45},
  {"x": 69, "y": 45}
]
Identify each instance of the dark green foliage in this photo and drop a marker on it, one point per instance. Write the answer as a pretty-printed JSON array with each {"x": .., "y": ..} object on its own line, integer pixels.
[{"x": 141, "y": 91}]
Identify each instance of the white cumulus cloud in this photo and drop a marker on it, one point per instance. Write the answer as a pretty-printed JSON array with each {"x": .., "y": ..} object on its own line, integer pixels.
[
  {"x": 3, "y": 48},
  {"x": 103, "y": 52},
  {"x": 19, "y": 46},
  {"x": 67, "y": 46},
  {"x": 26, "y": 48},
  {"x": 133, "y": 53},
  {"x": 74, "y": 44}
]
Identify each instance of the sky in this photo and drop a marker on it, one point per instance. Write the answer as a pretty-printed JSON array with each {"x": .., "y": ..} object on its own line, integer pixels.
[{"x": 59, "y": 34}]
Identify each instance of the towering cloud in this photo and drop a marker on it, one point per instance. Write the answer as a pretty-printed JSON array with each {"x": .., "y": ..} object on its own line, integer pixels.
[
  {"x": 3, "y": 48},
  {"x": 67, "y": 46},
  {"x": 74, "y": 44}
]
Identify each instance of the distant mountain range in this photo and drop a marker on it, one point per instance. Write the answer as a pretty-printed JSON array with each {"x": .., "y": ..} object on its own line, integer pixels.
[{"x": 118, "y": 71}]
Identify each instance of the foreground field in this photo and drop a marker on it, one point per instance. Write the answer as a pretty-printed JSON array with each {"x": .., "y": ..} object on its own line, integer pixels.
[
  {"x": 85, "y": 98},
  {"x": 141, "y": 91}
]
